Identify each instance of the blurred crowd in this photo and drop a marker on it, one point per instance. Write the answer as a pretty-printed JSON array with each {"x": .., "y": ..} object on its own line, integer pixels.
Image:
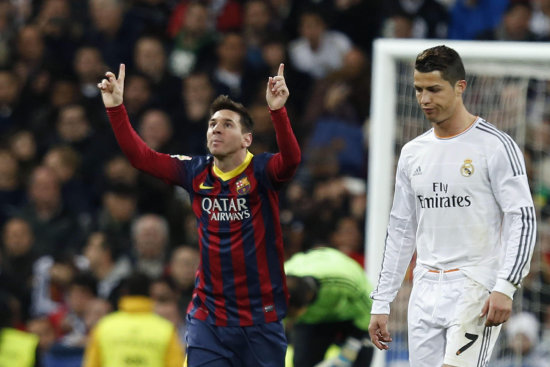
[{"x": 76, "y": 218}]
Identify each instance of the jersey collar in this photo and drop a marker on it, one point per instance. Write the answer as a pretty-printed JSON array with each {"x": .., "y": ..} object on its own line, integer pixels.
[{"x": 234, "y": 172}]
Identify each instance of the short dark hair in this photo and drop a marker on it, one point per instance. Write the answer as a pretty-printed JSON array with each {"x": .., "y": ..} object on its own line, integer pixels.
[
  {"x": 443, "y": 59},
  {"x": 87, "y": 281},
  {"x": 223, "y": 102},
  {"x": 299, "y": 292},
  {"x": 135, "y": 284}
]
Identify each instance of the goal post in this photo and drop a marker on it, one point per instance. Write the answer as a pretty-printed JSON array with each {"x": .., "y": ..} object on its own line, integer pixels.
[{"x": 496, "y": 61}]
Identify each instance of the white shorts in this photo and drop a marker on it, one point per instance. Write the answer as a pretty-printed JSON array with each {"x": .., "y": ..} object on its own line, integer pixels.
[{"x": 444, "y": 323}]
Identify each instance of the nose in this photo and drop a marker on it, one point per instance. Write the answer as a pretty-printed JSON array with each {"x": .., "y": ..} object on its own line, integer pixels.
[
  {"x": 424, "y": 98},
  {"x": 216, "y": 129}
]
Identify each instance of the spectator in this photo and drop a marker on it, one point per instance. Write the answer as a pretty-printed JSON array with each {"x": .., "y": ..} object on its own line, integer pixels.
[
  {"x": 514, "y": 25},
  {"x": 22, "y": 145},
  {"x": 54, "y": 226},
  {"x": 88, "y": 66},
  {"x": 318, "y": 50},
  {"x": 343, "y": 94},
  {"x": 18, "y": 348},
  {"x": 74, "y": 128},
  {"x": 18, "y": 254},
  {"x": 329, "y": 302},
  {"x": 274, "y": 52},
  {"x": 194, "y": 42},
  {"x": 150, "y": 239},
  {"x": 398, "y": 25},
  {"x": 523, "y": 343},
  {"x": 108, "y": 265},
  {"x": 119, "y": 208},
  {"x": 12, "y": 194},
  {"x": 150, "y": 59},
  {"x": 540, "y": 20},
  {"x": 66, "y": 163},
  {"x": 7, "y": 32},
  {"x": 111, "y": 31},
  {"x": 257, "y": 26},
  {"x": 182, "y": 267},
  {"x": 226, "y": 15},
  {"x": 429, "y": 17},
  {"x": 11, "y": 115},
  {"x": 61, "y": 31},
  {"x": 53, "y": 276},
  {"x": 468, "y": 18},
  {"x": 69, "y": 321},
  {"x": 197, "y": 95},
  {"x": 155, "y": 339},
  {"x": 231, "y": 75},
  {"x": 347, "y": 238},
  {"x": 139, "y": 94}
]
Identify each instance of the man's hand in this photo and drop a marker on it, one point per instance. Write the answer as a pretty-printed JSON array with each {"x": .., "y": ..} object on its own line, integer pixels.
[
  {"x": 112, "y": 89},
  {"x": 277, "y": 92},
  {"x": 498, "y": 308},
  {"x": 378, "y": 331}
]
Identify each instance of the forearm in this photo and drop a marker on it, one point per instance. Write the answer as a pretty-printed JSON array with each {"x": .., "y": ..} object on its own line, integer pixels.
[
  {"x": 134, "y": 148},
  {"x": 520, "y": 235},
  {"x": 284, "y": 164}
]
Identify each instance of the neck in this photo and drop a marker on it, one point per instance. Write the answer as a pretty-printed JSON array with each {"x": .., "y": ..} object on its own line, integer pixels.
[
  {"x": 454, "y": 125},
  {"x": 230, "y": 162}
]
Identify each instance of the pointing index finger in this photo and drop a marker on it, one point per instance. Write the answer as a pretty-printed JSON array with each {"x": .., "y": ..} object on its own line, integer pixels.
[
  {"x": 281, "y": 70},
  {"x": 121, "y": 72}
]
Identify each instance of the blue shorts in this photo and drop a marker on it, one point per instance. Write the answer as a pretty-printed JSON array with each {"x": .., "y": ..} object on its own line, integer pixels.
[{"x": 262, "y": 345}]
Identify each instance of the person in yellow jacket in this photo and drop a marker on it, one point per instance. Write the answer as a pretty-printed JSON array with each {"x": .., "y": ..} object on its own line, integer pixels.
[
  {"x": 134, "y": 335},
  {"x": 17, "y": 348}
]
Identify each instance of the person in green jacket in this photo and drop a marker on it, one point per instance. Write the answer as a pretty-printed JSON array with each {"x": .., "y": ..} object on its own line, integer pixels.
[
  {"x": 329, "y": 304},
  {"x": 17, "y": 348}
]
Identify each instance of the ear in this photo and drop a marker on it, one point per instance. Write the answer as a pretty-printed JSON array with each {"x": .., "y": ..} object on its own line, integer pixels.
[
  {"x": 247, "y": 140},
  {"x": 460, "y": 87}
]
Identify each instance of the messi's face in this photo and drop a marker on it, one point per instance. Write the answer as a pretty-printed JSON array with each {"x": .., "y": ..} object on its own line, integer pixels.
[
  {"x": 225, "y": 136},
  {"x": 436, "y": 96}
]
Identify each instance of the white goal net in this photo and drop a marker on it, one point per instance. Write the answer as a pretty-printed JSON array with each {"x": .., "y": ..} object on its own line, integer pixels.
[{"x": 509, "y": 86}]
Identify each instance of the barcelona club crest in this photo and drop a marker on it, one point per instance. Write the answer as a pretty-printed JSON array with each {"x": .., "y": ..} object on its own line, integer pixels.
[
  {"x": 467, "y": 168},
  {"x": 243, "y": 186}
]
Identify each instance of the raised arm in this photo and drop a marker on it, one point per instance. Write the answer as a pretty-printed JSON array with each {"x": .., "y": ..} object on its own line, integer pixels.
[
  {"x": 138, "y": 153},
  {"x": 283, "y": 165}
]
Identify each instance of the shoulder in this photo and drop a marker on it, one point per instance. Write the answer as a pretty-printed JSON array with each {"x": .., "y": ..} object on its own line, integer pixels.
[
  {"x": 415, "y": 144},
  {"x": 195, "y": 163},
  {"x": 336, "y": 37},
  {"x": 492, "y": 135}
]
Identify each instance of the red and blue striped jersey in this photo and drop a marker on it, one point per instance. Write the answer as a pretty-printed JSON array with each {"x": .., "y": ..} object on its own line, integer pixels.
[{"x": 240, "y": 280}]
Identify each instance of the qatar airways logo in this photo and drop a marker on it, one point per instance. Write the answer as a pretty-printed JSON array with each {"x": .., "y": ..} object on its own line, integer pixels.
[
  {"x": 225, "y": 209},
  {"x": 441, "y": 198}
]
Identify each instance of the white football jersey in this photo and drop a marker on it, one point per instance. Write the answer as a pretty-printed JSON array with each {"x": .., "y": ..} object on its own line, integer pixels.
[{"x": 462, "y": 202}]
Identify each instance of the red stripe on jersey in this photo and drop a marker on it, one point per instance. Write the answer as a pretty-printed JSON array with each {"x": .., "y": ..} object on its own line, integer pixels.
[
  {"x": 240, "y": 278},
  {"x": 261, "y": 256}
]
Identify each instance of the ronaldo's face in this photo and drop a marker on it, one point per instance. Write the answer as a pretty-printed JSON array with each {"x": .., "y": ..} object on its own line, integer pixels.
[
  {"x": 225, "y": 136},
  {"x": 436, "y": 96}
]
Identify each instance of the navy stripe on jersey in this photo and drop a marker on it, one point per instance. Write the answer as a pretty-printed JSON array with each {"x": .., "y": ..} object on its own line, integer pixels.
[
  {"x": 526, "y": 243},
  {"x": 515, "y": 161},
  {"x": 485, "y": 344}
]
